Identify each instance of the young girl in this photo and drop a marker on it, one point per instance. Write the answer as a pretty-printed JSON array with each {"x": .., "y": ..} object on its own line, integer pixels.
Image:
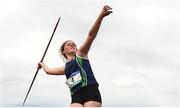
[{"x": 80, "y": 78}]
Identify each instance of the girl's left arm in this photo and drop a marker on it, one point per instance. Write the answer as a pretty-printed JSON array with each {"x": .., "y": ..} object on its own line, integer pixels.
[{"x": 84, "y": 48}]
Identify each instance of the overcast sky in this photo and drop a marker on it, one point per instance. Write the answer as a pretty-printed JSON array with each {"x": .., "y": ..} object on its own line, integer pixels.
[{"x": 135, "y": 57}]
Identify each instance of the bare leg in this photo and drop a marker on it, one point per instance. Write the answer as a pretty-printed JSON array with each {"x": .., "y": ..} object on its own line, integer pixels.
[
  {"x": 92, "y": 104},
  {"x": 76, "y": 105}
]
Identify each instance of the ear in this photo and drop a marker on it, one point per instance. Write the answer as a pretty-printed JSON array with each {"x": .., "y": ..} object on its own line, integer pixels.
[{"x": 64, "y": 52}]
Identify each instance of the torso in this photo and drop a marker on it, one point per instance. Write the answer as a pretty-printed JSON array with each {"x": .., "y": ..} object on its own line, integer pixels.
[{"x": 72, "y": 68}]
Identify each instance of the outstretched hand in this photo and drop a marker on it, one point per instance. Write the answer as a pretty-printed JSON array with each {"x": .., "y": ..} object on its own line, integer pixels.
[{"x": 106, "y": 10}]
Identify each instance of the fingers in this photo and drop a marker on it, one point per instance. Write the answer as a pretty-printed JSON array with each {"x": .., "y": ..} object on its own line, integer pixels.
[
  {"x": 39, "y": 65},
  {"x": 106, "y": 8},
  {"x": 109, "y": 12}
]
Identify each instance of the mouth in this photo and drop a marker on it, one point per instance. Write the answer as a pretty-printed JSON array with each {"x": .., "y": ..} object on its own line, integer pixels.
[{"x": 72, "y": 48}]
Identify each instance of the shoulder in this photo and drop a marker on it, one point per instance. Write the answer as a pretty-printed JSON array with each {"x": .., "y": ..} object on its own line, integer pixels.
[{"x": 82, "y": 57}]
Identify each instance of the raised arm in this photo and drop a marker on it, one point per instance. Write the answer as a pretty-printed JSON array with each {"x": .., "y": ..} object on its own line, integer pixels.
[
  {"x": 52, "y": 71},
  {"x": 84, "y": 48}
]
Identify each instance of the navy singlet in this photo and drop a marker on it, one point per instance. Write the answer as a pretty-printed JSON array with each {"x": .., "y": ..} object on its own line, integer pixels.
[{"x": 79, "y": 67}]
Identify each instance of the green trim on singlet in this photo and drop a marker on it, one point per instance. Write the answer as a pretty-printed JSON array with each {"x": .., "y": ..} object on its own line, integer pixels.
[{"x": 83, "y": 73}]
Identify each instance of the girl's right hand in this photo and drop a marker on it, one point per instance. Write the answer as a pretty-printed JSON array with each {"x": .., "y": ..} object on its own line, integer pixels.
[{"x": 39, "y": 65}]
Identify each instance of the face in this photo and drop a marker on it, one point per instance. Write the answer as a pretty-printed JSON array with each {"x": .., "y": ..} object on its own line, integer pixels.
[{"x": 70, "y": 48}]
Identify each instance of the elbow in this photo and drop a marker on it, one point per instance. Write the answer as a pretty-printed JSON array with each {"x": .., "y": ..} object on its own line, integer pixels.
[{"x": 91, "y": 34}]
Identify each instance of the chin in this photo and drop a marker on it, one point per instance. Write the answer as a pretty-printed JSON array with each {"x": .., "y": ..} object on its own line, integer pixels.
[{"x": 73, "y": 52}]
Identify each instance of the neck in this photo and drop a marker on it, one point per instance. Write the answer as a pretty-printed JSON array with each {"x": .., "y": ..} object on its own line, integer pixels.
[{"x": 70, "y": 57}]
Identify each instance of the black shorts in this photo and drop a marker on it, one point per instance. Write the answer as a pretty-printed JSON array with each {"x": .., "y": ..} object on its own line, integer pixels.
[{"x": 88, "y": 93}]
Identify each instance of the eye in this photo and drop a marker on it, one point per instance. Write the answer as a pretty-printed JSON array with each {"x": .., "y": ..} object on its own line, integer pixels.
[
  {"x": 73, "y": 44},
  {"x": 68, "y": 44}
]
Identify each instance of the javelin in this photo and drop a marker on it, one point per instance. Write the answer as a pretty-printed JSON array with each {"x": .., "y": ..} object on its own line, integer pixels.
[{"x": 41, "y": 61}]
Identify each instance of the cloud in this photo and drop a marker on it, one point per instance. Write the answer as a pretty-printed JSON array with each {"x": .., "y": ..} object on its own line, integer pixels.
[{"x": 134, "y": 57}]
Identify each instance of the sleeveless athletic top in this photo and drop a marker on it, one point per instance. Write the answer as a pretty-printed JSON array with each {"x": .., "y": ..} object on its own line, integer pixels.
[{"x": 79, "y": 74}]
